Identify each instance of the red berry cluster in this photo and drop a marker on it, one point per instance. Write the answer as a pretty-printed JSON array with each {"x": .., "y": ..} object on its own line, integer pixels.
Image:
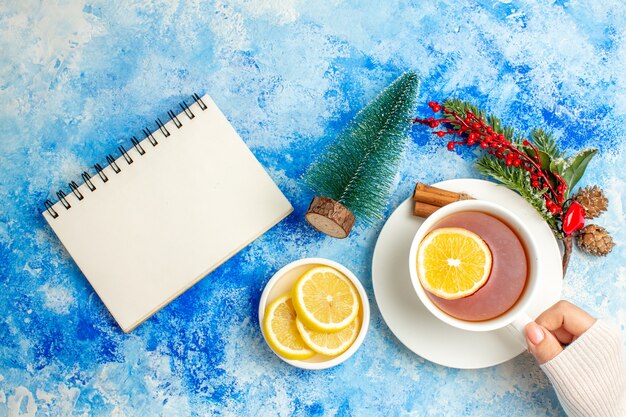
[{"x": 472, "y": 130}]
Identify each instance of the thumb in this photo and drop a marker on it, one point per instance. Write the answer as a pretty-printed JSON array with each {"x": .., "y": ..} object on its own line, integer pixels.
[{"x": 541, "y": 343}]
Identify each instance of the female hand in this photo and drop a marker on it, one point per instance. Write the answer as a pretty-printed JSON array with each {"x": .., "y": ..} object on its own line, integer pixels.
[{"x": 555, "y": 328}]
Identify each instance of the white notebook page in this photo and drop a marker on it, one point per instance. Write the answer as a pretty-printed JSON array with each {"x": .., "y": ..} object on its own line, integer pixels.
[{"x": 176, "y": 213}]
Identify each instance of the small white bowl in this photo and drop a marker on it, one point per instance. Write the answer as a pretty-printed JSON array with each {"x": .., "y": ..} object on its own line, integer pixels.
[{"x": 283, "y": 281}]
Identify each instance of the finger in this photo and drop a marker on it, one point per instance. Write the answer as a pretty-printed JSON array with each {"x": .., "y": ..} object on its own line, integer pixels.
[
  {"x": 541, "y": 343},
  {"x": 563, "y": 336},
  {"x": 565, "y": 315}
]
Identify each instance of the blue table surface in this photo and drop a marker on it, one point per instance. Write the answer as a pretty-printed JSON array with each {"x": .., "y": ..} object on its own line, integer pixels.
[{"x": 78, "y": 78}]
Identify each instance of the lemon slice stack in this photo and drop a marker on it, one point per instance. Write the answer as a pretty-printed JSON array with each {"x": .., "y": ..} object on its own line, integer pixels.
[{"x": 319, "y": 315}]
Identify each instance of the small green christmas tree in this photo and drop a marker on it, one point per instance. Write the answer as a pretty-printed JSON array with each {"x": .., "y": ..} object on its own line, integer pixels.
[{"x": 355, "y": 175}]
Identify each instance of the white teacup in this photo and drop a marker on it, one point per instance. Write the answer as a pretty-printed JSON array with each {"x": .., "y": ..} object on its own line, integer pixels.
[{"x": 516, "y": 317}]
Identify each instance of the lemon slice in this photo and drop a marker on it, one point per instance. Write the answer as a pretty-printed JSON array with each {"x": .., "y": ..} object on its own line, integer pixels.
[
  {"x": 325, "y": 299},
  {"x": 453, "y": 263},
  {"x": 279, "y": 326},
  {"x": 330, "y": 344}
]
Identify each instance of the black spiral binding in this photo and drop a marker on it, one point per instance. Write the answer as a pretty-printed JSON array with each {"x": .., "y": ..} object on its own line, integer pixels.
[
  {"x": 88, "y": 179},
  {"x": 174, "y": 119},
  {"x": 187, "y": 110},
  {"x": 74, "y": 188},
  {"x": 101, "y": 173},
  {"x": 150, "y": 137},
  {"x": 198, "y": 100},
  {"x": 125, "y": 154},
  {"x": 63, "y": 200},
  {"x": 138, "y": 146},
  {"x": 162, "y": 127},
  {"x": 50, "y": 210},
  {"x": 114, "y": 166}
]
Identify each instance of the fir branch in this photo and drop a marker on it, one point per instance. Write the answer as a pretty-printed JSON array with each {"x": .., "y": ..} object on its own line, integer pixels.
[
  {"x": 475, "y": 127},
  {"x": 517, "y": 180},
  {"x": 545, "y": 142},
  {"x": 535, "y": 168},
  {"x": 462, "y": 108}
]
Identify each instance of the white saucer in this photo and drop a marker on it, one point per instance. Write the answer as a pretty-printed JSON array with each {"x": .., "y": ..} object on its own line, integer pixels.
[{"x": 415, "y": 326}]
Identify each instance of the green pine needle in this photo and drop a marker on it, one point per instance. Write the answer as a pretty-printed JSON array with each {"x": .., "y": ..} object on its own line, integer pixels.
[
  {"x": 359, "y": 168},
  {"x": 517, "y": 180},
  {"x": 545, "y": 142}
]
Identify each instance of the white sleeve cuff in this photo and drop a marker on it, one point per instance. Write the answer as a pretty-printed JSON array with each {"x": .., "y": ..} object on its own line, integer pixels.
[{"x": 589, "y": 376}]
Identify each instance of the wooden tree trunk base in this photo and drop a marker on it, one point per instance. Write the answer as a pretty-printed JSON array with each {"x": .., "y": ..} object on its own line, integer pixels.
[{"x": 330, "y": 217}]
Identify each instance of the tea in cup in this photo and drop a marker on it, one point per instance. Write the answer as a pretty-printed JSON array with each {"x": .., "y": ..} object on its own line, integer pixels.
[{"x": 495, "y": 239}]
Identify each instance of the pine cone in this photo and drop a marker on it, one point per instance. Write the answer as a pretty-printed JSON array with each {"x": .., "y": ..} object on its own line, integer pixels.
[
  {"x": 595, "y": 240},
  {"x": 593, "y": 201}
]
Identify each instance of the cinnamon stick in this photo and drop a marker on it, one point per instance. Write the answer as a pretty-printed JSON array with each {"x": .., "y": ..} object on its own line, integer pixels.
[
  {"x": 427, "y": 199},
  {"x": 423, "y": 209},
  {"x": 436, "y": 196},
  {"x": 429, "y": 188}
]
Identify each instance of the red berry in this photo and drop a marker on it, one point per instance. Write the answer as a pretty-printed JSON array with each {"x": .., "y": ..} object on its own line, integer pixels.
[
  {"x": 483, "y": 145},
  {"x": 475, "y": 126},
  {"x": 554, "y": 209},
  {"x": 501, "y": 136},
  {"x": 516, "y": 162},
  {"x": 450, "y": 146},
  {"x": 471, "y": 141},
  {"x": 508, "y": 162},
  {"x": 441, "y": 133},
  {"x": 434, "y": 106},
  {"x": 535, "y": 184},
  {"x": 434, "y": 123},
  {"x": 489, "y": 130},
  {"x": 526, "y": 143}
]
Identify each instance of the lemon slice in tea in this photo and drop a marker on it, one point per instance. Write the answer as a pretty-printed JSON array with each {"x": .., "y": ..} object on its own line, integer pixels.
[{"x": 453, "y": 263}]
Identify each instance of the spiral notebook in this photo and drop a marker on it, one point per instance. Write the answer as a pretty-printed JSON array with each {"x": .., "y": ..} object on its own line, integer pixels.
[{"x": 171, "y": 208}]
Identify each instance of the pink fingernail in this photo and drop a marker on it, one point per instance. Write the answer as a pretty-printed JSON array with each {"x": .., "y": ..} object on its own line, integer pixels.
[{"x": 534, "y": 333}]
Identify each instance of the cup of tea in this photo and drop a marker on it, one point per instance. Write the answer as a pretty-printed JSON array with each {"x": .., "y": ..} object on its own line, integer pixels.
[{"x": 513, "y": 276}]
